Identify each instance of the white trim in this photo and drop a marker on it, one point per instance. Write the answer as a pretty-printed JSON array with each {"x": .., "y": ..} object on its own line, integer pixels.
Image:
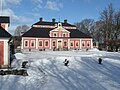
[
  {"x": 91, "y": 43},
  {"x": 68, "y": 43},
  {"x": 36, "y": 43},
  {"x": 80, "y": 44},
  {"x": 50, "y": 44}
]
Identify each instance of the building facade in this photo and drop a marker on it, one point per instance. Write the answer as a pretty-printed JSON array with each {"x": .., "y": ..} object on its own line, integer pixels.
[
  {"x": 56, "y": 36},
  {"x": 4, "y": 42}
]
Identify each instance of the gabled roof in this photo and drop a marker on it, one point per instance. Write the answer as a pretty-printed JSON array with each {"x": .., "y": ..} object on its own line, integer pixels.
[
  {"x": 4, "y": 19},
  {"x": 44, "y": 33},
  {"x": 4, "y": 33}
]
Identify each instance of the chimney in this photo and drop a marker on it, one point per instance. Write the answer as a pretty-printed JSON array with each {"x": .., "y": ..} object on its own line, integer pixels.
[
  {"x": 4, "y": 22},
  {"x": 53, "y": 20},
  {"x": 65, "y": 21},
  {"x": 41, "y": 19}
]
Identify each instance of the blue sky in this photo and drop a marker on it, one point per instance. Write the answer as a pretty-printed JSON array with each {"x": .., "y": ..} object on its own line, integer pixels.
[{"x": 29, "y": 11}]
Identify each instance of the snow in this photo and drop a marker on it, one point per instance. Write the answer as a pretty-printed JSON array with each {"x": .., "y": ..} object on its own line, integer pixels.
[{"x": 47, "y": 71}]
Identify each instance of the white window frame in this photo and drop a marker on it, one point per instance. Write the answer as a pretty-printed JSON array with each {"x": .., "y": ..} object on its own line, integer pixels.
[
  {"x": 45, "y": 43},
  {"x": 32, "y": 41},
  {"x": 39, "y": 42},
  {"x": 76, "y": 43},
  {"x": 27, "y": 43},
  {"x": 71, "y": 42}
]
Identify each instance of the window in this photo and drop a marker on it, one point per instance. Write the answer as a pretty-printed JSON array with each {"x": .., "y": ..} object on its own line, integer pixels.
[
  {"x": 54, "y": 43},
  {"x": 46, "y": 43},
  {"x": 32, "y": 44},
  {"x": 94, "y": 44},
  {"x": 65, "y": 43},
  {"x": 55, "y": 34},
  {"x": 88, "y": 44},
  {"x": 64, "y": 35},
  {"x": 26, "y": 43},
  {"x": 71, "y": 44},
  {"x": 40, "y": 43},
  {"x": 83, "y": 44},
  {"x": 77, "y": 44}
]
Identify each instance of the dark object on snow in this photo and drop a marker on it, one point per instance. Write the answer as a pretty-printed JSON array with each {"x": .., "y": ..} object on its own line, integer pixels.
[
  {"x": 66, "y": 62},
  {"x": 24, "y": 64},
  {"x": 2, "y": 72},
  {"x": 14, "y": 72},
  {"x": 100, "y": 61}
]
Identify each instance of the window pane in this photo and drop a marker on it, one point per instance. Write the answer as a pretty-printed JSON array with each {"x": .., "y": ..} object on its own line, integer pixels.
[
  {"x": 46, "y": 43},
  {"x": 53, "y": 43},
  {"x": 77, "y": 44},
  {"x": 32, "y": 44},
  {"x": 71, "y": 44},
  {"x": 26, "y": 43},
  {"x": 40, "y": 43},
  {"x": 65, "y": 43}
]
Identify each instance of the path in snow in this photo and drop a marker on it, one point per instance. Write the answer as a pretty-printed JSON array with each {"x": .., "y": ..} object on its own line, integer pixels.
[{"x": 47, "y": 71}]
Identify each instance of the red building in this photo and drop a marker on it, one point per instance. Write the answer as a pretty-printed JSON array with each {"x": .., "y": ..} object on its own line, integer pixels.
[
  {"x": 55, "y": 35},
  {"x": 4, "y": 42}
]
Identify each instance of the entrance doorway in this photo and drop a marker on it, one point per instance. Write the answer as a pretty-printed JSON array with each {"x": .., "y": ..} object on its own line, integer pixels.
[{"x": 59, "y": 44}]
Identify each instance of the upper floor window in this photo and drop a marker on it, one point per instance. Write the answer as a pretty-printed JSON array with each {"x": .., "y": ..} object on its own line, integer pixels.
[
  {"x": 55, "y": 34},
  {"x": 64, "y": 34}
]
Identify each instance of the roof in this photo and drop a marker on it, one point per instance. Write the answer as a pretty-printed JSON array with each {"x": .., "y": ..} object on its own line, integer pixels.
[
  {"x": 37, "y": 32},
  {"x": 4, "y": 19},
  {"x": 53, "y": 23},
  {"x": 44, "y": 33},
  {"x": 4, "y": 33}
]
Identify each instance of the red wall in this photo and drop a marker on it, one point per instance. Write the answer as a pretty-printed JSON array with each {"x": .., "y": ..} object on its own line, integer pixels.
[{"x": 1, "y": 52}]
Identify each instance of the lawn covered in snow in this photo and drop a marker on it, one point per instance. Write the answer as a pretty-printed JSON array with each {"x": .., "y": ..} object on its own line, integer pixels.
[{"x": 47, "y": 71}]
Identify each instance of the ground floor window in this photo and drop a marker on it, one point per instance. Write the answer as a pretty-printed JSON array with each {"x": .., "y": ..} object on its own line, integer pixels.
[
  {"x": 65, "y": 43},
  {"x": 53, "y": 43},
  {"x": 77, "y": 44},
  {"x": 26, "y": 43},
  {"x": 32, "y": 43},
  {"x": 46, "y": 43},
  {"x": 71, "y": 43},
  {"x": 40, "y": 43}
]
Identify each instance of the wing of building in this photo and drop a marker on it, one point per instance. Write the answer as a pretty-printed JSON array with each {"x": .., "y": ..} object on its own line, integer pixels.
[
  {"x": 56, "y": 36},
  {"x": 4, "y": 39}
]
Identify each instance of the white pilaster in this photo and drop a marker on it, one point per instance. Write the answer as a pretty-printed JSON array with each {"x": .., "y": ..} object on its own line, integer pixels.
[
  {"x": 80, "y": 43},
  {"x": 36, "y": 43},
  {"x": 68, "y": 43}
]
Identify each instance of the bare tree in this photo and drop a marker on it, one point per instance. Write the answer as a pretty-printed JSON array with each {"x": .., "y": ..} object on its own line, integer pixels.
[
  {"x": 107, "y": 17},
  {"x": 21, "y": 29},
  {"x": 86, "y": 26}
]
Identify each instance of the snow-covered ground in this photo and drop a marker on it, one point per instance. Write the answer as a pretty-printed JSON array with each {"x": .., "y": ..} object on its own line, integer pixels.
[{"x": 47, "y": 71}]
